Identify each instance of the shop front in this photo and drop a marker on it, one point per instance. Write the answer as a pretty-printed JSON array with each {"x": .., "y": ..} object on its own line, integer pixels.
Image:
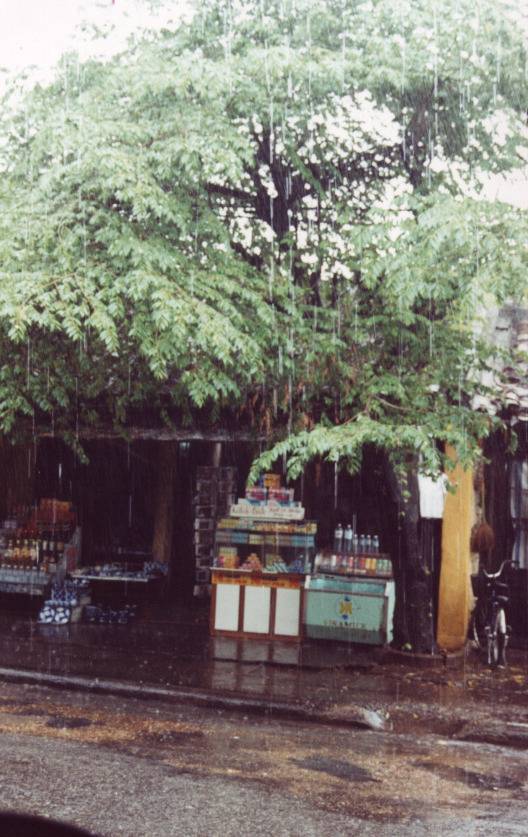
[{"x": 272, "y": 580}]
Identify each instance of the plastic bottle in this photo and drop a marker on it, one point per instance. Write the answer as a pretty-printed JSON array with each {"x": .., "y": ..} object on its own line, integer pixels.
[
  {"x": 355, "y": 544},
  {"x": 338, "y": 539},
  {"x": 361, "y": 545},
  {"x": 348, "y": 539},
  {"x": 368, "y": 543},
  {"x": 375, "y": 543}
]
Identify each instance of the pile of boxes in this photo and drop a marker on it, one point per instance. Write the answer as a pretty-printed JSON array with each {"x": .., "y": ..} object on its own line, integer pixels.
[
  {"x": 65, "y": 603},
  {"x": 215, "y": 494},
  {"x": 268, "y": 501}
]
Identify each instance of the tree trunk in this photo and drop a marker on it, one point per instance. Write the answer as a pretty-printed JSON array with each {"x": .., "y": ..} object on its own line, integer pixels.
[
  {"x": 414, "y": 620},
  {"x": 164, "y": 511}
]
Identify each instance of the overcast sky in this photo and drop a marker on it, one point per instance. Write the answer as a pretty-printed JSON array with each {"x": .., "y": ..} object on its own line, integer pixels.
[{"x": 37, "y": 32}]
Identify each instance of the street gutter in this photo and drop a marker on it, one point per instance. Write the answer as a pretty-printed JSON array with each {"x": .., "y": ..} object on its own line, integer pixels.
[{"x": 351, "y": 715}]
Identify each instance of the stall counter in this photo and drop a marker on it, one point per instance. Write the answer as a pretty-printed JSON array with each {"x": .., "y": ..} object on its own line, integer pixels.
[{"x": 257, "y": 604}]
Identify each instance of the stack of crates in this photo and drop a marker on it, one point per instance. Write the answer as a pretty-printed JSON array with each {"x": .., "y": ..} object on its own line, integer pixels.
[{"x": 216, "y": 490}]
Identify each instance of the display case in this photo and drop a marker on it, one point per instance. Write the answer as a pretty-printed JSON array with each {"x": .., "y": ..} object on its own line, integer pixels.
[
  {"x": 258, "y": 577},
  {"x": 351, "y": 599},
  {"x": 265, "y": 545}
]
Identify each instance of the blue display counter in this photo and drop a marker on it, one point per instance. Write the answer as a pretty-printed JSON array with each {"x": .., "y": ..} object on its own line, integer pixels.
[{"x": 350, "y": 609}]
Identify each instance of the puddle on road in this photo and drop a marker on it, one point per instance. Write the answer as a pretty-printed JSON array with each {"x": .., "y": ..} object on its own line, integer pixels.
[
  {"x": 171, "y": 736},
  {"x": 336, "y": 768},
  {"x": 479, "y": 781},
  {"x": 60, "y": 722}
]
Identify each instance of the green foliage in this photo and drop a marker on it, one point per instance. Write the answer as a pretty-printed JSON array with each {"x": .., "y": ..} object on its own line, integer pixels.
[{"x": 272, "y": 213}]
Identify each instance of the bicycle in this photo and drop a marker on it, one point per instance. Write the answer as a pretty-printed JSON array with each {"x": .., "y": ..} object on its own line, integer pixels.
[{"x": 488, "y": 627}]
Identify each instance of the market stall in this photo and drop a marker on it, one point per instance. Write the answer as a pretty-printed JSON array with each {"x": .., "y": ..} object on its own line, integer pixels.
[
  {"x": 269, "y": 582},
  {"x": 263, "y": 551}
]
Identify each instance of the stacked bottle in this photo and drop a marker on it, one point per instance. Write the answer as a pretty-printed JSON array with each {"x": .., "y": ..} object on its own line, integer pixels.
[
  {"x": 34, "y": 548},
  {"x": 347, "y": 542}
]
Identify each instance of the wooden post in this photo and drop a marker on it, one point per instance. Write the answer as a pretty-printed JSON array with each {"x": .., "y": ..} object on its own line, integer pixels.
[
  {"x": 164, "y": 511},
  {"x": 455, "y": 572},
  {"x": 216, "y": 454}
]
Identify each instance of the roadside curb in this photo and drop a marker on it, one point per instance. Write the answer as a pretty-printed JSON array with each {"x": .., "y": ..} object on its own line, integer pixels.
[
  {"x": 350, "y": 715},
  {"x": 445, "y": 659},
  {"x": 505, "y": 734}
]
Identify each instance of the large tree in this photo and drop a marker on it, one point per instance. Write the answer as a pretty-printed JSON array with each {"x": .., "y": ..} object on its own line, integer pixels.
[{"x": 275, "y": 210}]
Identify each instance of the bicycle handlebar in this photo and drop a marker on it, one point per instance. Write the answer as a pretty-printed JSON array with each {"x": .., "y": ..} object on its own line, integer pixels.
[{"x": 496, "y": 575}]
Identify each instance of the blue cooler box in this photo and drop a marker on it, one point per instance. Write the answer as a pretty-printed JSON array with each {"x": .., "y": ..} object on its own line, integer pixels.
[{"x": 349, "y": 609}]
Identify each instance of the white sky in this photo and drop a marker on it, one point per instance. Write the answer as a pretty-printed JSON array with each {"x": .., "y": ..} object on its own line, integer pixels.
[{"x": 37, "y": 32}]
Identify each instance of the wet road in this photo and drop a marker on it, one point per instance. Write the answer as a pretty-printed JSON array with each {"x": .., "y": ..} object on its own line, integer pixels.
[{"x": 126, "y": 767}]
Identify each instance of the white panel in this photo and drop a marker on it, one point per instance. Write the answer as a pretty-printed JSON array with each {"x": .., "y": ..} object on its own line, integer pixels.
[
  {"x": 257, "y": 610},
  {"x": 287, "y": 612},
  {"x": 226, "y": 613}
]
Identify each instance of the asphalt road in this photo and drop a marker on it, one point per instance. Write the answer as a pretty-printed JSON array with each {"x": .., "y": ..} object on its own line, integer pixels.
[{"x": 126, "y": 767}]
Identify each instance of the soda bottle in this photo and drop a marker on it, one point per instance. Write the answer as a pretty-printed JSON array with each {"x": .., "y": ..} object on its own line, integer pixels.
[
  {"x": 348, "y": 539},
  {"x": 338, "y": 539}
]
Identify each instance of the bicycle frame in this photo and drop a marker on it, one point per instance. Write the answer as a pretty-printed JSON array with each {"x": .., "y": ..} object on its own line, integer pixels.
[{"x": 489, "y": 626}]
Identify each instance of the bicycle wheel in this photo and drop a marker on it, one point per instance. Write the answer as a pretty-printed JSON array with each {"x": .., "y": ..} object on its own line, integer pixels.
[
  {"x": 502, "y": 637},
  {"x": 497, "y": 639},
  {"x": 477, "y": 628}
]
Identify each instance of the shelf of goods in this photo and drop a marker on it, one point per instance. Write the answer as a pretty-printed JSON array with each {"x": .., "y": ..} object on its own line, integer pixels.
[
  {"x": 125, "y": 580},
  {"x": 258, "y": 577},
  {"x": 352, "y": 604},
  {"x": 36, "y": 546}
]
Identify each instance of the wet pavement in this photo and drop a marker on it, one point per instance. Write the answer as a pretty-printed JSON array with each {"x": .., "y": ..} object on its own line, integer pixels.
[
  {"x": 170, "y": 649},
  {"x": 126, "y": 766}
]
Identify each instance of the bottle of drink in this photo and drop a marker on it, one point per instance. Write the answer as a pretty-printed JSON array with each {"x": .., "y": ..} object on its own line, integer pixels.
[
  {"x": 8, "y": 553},
  {"x": 361, "y": 544},
  {"x": 368, "y": 543},
  {"x": 375, "y": 543},
  {"x": 338, "y": 539},
  {"x": 355, "y": 544},
  {"x": 348, "y": 540}
]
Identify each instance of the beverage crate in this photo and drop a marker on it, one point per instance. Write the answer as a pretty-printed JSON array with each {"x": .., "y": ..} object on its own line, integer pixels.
[
  {"x": 201, "y": 550},
  {"x": 204, "y": 525},
  {"x": 204, "y": 512},
  {"x": 215, "y": 492},
  {"x": 204, "y": 538}
]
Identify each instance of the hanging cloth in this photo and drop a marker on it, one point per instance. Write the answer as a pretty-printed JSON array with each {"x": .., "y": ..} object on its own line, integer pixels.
[
  {"x": 432, "y": 496},
  {"x": 519, "y": 510}
]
